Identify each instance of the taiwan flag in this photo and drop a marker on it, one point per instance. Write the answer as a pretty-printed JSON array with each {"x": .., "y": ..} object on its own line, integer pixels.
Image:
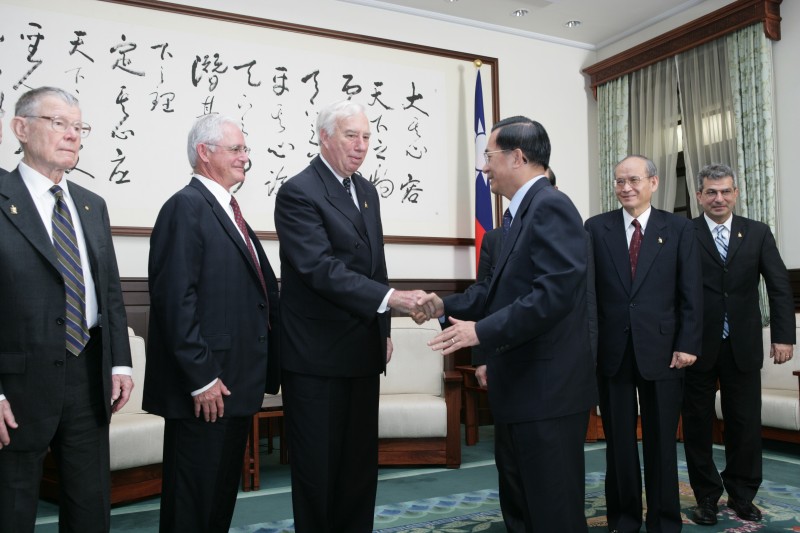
[{"x": 483, "y": 196}]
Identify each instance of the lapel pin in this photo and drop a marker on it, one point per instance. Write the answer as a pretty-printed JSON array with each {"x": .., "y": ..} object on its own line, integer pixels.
[
  {"x": 740, "y": 235},
  {"x": 13, "y": 209},
  {"x": 660, "y": 240},
  {"x": 365, "y": 205},
  {"x": 86, "y": 207}
]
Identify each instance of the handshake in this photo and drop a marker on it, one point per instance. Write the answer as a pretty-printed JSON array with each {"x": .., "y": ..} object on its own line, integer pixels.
[{"x": 419, "y": 305}]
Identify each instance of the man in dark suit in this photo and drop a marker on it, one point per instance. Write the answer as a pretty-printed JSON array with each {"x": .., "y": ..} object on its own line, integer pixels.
[
  {"x": 733, "y": 263},
  {"x": 649, "y": 310},
  {"x": 65, "y": 361},
  {"x": 335, "y": 306},
  {"x": 213, "y": 338},
  {"x": 531, "y": 319},
  {"x": 490, "y": 252}
]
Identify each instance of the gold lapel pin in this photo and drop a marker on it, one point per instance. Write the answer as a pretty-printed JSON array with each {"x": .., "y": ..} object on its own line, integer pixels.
[
  {"x": 660, "y": 240},
  {"x": 86, "y": 207},
  {"x": 740, "y": 235},
  {"x": 13, "y": 209},
  {"x": 365, "y": 205}
]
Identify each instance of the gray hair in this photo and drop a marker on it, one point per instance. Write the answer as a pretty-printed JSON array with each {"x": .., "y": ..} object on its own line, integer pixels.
[
  {"x": 650, "y": 167},
  {"x": 28, "y": 103},
  {"x": 331, "y": 114},
  {"x": 207, "y": 130},
  {"x": 715, "y": 172}
]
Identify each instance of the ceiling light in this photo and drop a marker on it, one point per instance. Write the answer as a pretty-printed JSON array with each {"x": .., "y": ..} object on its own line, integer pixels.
[
  {"x": 572, "y": 23},
  {"x": 519, "y": 12}
]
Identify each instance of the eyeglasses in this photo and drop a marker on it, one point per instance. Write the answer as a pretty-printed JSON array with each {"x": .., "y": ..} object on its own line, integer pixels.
[
  {"x": 633, "y": 181},
  {"x": 488, "y": 155},
  {"x": 235, "y": 149},
  {"x": 712, "y": 193},
  {"x": 60, "y": 125}
]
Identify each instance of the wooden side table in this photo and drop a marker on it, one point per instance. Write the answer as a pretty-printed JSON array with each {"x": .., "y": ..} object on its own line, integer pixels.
[
  {"x": 271, "y": 408},
  {"x": 471, "y": 390}
]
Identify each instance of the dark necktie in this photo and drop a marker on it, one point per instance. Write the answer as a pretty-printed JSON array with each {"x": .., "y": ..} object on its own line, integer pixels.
[
  {"x": 237, "y": 216},
  {"x": 506, "y": 222},
  {"x": 69, "y": 262},
  {"x": 346, "y": 185},
  {"x": 635, "y": 246}
]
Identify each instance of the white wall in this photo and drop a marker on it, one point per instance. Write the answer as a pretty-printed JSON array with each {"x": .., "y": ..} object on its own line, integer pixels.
[
  {"x": 537, "y": 79},
  {"x": 787, "y": 80}
]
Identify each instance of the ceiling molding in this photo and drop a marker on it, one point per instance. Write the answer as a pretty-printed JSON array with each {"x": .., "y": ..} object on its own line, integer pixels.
[{"x": 716, "y": 24}]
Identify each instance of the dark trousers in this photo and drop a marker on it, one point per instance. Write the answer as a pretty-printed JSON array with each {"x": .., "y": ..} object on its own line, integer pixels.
[
  {"x": 332, "y": 430},
  {"x": 741, "y": 410},
  {"x": 202, "y": 470},
  {"x": 660, "y": 404},
  {"x": 541, "y": 474},
  {"x": 80, "y": 448}
]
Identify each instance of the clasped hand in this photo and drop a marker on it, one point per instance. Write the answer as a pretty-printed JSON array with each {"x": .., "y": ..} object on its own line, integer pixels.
[{"x": 417, "y": 304}]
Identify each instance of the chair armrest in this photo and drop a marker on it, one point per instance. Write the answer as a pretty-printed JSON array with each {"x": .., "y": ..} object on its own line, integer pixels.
[{"x": 455, "y": 375}]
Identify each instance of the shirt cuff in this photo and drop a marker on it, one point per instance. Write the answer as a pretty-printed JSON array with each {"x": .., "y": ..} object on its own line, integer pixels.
[
  {"x": 199, "y": 391},
  {"x": 122, "y": 370},
  {"x": 385, "y": 303}
]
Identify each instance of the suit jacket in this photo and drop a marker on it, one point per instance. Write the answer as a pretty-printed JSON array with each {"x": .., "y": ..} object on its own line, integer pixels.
[
  {"x": 333, "y": 275},
  {"x": 32, "y": 326},
  {"x": 660, "y": 309},
  {"x": 732, "y": 287},
  {"x": 532, "y": 317},
  {"x": 3, "y": 171},
  {"x": 490, "y": 253},
  {"x": 209, "y": 316}
]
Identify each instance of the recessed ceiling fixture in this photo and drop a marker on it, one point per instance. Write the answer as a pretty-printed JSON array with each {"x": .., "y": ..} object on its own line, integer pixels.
[
  {"x": 572, "y": 23},
  {"x": 519, "y": 12}
]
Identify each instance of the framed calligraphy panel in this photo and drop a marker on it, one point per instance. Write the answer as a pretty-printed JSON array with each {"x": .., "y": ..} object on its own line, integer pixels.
[{"x": 144, "y": 70}]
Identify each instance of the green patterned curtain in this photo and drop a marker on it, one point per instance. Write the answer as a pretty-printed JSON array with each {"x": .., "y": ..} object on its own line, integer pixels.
[
  {"x": 612, "y": 127},
  {"x": 750, "y": 68}
]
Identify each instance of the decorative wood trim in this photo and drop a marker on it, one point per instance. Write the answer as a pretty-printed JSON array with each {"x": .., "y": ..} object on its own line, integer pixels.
[
  {"x": 716, "y": 24},
  {"x": 130, "y": 231}
]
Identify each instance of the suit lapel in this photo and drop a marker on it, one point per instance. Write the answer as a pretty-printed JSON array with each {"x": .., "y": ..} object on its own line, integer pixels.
[
  {"x": 706, "y": 239},
  {"x": 370, "y": 216},
  {"x": 617, "y": 244},
  {"x": 17, "y": 205},
  {"x": 339, "y": 199},
  {"x": 737, "y": 236},
  {"x": 654, "y": 237},
  {"x": 513, "y": 233},
  {"x": 228, "y": 225},
  {"x": 91, "y": 223}
]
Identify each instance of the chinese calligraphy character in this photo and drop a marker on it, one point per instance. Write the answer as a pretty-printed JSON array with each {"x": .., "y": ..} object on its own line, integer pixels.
[{"x": 123, "y": 62}]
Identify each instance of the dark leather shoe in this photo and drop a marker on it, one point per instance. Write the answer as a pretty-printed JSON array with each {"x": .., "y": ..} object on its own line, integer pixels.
[
  {"x": 705, "y": 514},
  {"x": 745, "y": 510}
]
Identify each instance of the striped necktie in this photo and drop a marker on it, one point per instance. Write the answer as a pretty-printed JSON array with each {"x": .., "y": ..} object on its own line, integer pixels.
[
  {"x": 722, "y": 247},
  {"x": 69, "y": 262}
]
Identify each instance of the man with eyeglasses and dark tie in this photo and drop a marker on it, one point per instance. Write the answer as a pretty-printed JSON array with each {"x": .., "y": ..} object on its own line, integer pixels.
[
  {"x": 65, "y": 361},
  {"x": 735, "y": 252},
  {"x": 212, "y": 347},
  {"x": 649, "y": 310}
]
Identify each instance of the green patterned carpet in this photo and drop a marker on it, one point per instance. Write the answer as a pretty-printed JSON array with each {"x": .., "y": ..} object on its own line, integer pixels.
[{"x": 478, "y": 511}]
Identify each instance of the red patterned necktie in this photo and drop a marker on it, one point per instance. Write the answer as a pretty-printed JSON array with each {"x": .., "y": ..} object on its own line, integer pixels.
[
  {"x": 636, "y": 244},
  {"x": 237, "y": 215}
]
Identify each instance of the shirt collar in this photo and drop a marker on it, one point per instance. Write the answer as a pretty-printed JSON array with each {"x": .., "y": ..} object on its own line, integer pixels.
[
  {"x": 627, "y": 218},
  {"x": 520, "y": 194},
  {"x": 38, "y": 184},
  {"x": 218, "y": 191},
  {"x": 712, "y": 225}
]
